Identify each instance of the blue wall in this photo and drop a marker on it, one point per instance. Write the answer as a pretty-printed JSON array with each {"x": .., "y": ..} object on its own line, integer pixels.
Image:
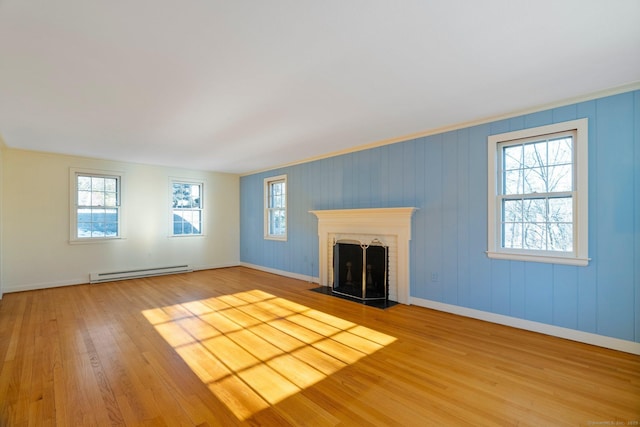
[{"x": 445, "y": 176}]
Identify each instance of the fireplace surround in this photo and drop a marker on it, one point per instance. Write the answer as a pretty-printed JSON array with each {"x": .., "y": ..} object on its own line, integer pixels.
[{"x": 390, "y": 227}]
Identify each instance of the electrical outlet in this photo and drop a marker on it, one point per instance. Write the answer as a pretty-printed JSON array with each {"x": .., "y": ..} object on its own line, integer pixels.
[{"x": 434, "y": 277}]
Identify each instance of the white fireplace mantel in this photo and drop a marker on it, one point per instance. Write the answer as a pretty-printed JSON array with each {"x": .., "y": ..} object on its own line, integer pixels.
[{"x": 383, "y": 223}]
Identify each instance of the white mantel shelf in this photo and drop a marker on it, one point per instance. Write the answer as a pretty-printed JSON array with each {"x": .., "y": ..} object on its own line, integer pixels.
[
  {"x": 368, "y": 215},
  {"x": 382, "y": 222}
]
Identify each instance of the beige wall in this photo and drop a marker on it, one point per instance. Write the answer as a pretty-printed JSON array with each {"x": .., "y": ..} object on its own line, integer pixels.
[
  {"x": 2, "y": 148},
  {"x": 36, "y": 215}
]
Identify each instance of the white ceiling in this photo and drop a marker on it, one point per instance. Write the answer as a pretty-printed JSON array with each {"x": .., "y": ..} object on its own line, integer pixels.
[{"x": 241, "y": 85}]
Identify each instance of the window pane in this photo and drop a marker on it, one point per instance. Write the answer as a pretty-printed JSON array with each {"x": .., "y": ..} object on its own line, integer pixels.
[
  {"x": 535, "y": 210},
  {"x": 535, "y": 236},
  {"x": 560, "y": 151},
  {"x": 195, "y": 196},
  {"x": 84, "y": 222},
  {"x": 277, "y": 222},
  {"x": 110, "y": 199},
  {"x": 97, "y": 215},
  {"x": 97, "y": 184},
  {"x": 560, "y": 178},
  {"x": 512, "y": 210},
  {"x": 187, "y": 221},
  {"x": 84, "y": 229},
  {"x": 187, "y": 216},
  {"x": 177, "y": 223},
  {"x": 513, "y": 182},
  {"x": 275, "y": 228},
  {"x": 512, "y": 157},
  {"x": 84, "y": 215},
  {"x": 196, "y": 222},
  {"x": 84, "y": 198},
  {"x": 181, "y": 195},
  {"x": 535, "y": 180},
  {"x": 178, "y": 195},
  {"x": 535, "y": 154},
  {"x": 111, "y": 215},
  {"x": 110, "y": 184},
  {"x": 97, "y": 199},
  {"x": 561, "y": 209},
  {"x": 110, "y": 225},
  {"x": 560, "y": 237},
  {"x": 512, "y": 235},
  {"x": 97, "y": 230},
  {"x": 179, "y": 219},
  {"x": 277, "y": 198},
  {"x": 84, "y": 183}
]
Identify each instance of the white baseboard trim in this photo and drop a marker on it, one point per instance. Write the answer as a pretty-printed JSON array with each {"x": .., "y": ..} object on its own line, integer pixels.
[
  {"x": 529, "y": 325},
  {"x": 46, "y": 285},
  {"x": 85, "y": 280},
  {"x": 304, "y": 277},
  {"x": 214, "y": 266}
]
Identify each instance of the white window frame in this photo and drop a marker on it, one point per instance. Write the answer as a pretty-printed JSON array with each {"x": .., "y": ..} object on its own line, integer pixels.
[
  {"x": 579, "y": 194},
  {"x": 74, "y": 173},
  {"x": 201, "y": 209},
  {"x": 268, "y": 209}
]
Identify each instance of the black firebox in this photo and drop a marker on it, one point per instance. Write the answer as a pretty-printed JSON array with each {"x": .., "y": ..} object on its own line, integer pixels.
[{"x": 360, "y": 271}]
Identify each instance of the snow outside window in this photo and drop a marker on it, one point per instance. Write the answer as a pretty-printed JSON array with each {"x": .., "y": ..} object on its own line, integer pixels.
[{"x": 96, "y": 205}]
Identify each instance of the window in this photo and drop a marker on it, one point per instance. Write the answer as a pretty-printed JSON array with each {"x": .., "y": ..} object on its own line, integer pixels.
[
  {"x": 537, "y": 202},
  {"x": 96, "y": 205},
  {"x": 186, "y": 208},
  {"x": 275, "y": 202}
]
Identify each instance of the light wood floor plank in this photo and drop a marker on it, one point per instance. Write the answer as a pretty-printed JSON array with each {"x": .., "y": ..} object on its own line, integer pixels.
[{"x": 238, "y": 346}]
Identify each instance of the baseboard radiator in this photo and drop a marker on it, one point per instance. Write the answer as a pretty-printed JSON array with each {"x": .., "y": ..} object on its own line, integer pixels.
[{"x": 134, "y": 274}]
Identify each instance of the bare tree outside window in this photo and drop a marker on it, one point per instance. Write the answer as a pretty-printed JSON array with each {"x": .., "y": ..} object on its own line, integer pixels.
[
  {"x": 538, "y": 194},
  {"x": 537, "y": 183}
]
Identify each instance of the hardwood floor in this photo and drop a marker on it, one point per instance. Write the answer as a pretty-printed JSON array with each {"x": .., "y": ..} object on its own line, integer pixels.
[{"x": 237, "y": 346}]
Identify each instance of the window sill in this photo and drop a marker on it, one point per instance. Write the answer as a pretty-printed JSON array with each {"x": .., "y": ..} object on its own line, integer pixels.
[
  {"x": 276, "y": 238},
  {"x": 548, "y": 259},
  {"x": 93, "y": 240}
]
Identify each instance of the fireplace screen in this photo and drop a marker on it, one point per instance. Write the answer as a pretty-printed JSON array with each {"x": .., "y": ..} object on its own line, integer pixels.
[{"x": 360, "y": 271}]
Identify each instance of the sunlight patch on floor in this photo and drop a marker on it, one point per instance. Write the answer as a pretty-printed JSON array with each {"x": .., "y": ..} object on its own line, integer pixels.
[{"x": 253, "y": 349}]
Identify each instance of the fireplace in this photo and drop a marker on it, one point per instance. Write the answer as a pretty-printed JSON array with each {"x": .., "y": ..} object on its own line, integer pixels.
[
  {"x": 360, "y": 270},
  {"x": 385, "y": 227}
]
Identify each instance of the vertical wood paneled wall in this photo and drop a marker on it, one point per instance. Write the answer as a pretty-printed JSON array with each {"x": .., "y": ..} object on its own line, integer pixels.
[{"x": 445, "y": 176}]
